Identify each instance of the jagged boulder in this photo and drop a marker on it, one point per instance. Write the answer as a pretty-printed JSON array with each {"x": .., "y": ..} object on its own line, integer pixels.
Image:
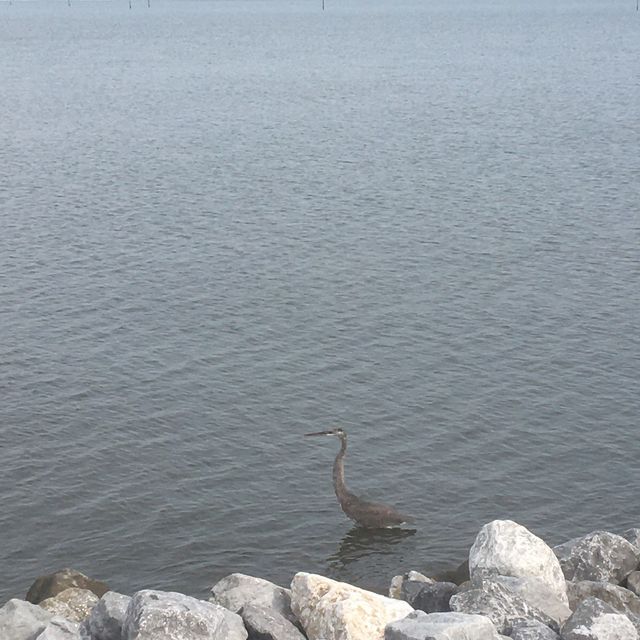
[
  {"x": 532, "y": 630},
  {"x": 164, "y": 615},
  {"x": 20, "y": 620},
  {"x": 633, "y": 582},
  {"x": 60, "y": 629},
  {"x": 598, "y": 556},
  {"x": 441, "y": 626},
  {"x": 239, "y": 590},
  {"x": 331, "y": 610},
  {"x": 267, "y": 624},
  {"x": 621, "y": 599},
  {"x": 52, "y": 584},
  {"x": 107, "y": 617},
  {"x": 496, "y": 602},
  {"x": 72, "y": 604},
  {"x": 506, "y": 548},
  {"x": 536, "y": 593},
  {"x": 596, "y": 620}
]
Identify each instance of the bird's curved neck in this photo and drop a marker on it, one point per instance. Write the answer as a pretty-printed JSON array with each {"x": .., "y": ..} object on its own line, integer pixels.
[{"x": 342, "y": 493}]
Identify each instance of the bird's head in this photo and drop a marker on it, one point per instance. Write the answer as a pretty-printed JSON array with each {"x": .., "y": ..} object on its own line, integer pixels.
[{"x": 339, "y": 432}]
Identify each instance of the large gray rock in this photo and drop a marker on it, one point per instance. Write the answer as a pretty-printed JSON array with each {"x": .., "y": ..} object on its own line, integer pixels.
[
  {"x": 441, "y": 626},
  {"x": 621, "y": 599},
  {"x": 60, "y": 629},
  {"x": 506, "y": 548},
  {"x": 52, "y": 584},
  {"x": 633, "y": 536},
  {"x": 20, "y": 620},
  {"x": 238, "y": 590},
  {"x": 536, "y": 593},
  {"x": 107, "y": 617},
  {"x": 331, "y": 610},
  {"x": 599, "y": 555},
  {"x": 596, "y": 620},
  {"x": 633, "y": 582},
  {"x": 164, "y": 615},
  {"x": 267, "y": 624},
  {"x": 72, "y": 604},
  {"x": 431, "y": 598},
  {"x": 496, "y": 602},
  {"x": 533, "y": 630}
]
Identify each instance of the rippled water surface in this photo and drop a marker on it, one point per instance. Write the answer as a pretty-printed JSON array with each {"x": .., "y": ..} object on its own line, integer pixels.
[{"x": 224, "y": 224}]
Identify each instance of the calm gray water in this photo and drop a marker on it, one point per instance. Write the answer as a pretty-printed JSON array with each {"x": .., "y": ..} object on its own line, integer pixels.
[{"x": 224, "y": 224}]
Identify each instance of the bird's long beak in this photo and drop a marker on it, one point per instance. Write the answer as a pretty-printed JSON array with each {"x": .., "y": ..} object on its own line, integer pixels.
[{"x": 320, "y": 433}]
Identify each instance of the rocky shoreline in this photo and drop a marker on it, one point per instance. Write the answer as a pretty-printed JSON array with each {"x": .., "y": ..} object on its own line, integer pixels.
[{"x": 516, "y": 587}]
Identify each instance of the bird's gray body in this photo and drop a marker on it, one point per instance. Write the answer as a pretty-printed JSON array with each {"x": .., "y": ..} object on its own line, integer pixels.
[{"x": 371, "y": 515}]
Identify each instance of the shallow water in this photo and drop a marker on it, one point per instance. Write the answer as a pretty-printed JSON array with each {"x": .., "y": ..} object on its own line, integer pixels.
[{"x": 225, "y": 224}]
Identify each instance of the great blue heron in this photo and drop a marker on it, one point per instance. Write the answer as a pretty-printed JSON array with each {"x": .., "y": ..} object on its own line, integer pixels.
[{"x": 367, "y": 514}]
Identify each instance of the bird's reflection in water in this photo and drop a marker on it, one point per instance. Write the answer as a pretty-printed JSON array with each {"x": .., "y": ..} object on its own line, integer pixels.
[{"x": 359, "y": 543}]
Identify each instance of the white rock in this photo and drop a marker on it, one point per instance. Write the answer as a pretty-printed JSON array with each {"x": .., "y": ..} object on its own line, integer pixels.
[
  {"x": 493, "y": 600},
  {"x": 596, "y": 620},
  {"x": 330, "y": 610},
  {"x": 72, "y": 604},
  {"x": 441, "y": 626},
  {"x": 164, "y": 615},
  {"x": 20, "y": 620},
  {"x": 238, "y": 590},
  {"x": 60, "y": 629},
  {"x": 537, "y": 593},
  {"x": 506, "y": 548}
]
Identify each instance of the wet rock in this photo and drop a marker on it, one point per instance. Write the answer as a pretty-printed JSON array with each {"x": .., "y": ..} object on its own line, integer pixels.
[
  {"x": 596, "y": 620},
  {"x": 432, "y": 598},
  {"x": 536, "y": 593},
  {"x": 397, "y": 582},
  {"x": 52, "y": 584},
  {"x": 60, "y": 629},
  {"x": 331, "y": 610},
  {"x": 598, "y": 556},
  {"x": 107, "y": 617},
  {"x": 20, "y": 620},
  {"x": 633, "y": 582},
  {"x": 164, "y": 615},
  {"x": 503, "y": 607},
  {"x": 621, "y": 599},
  {"x": 238, "y": 590},
  {"x": 267, "y": 624},
  {"x": 441, "y": 626},
  {"x": 506, "y": 548},
  {"x": 457, "y": 575},
  {"x": 73, "y": 604},
  {"x": 533, "y": 630}
]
